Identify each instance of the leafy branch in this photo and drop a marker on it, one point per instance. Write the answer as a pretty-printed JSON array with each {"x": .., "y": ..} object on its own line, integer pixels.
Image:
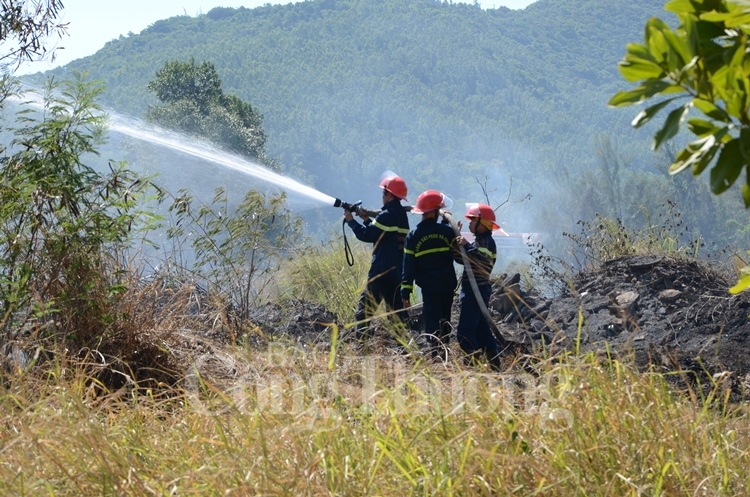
[{"x": 702, "y": 65}]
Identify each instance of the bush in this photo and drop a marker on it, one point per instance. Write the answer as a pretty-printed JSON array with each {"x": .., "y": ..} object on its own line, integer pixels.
[
  {"x": 238, "y": 250},
  {"x": 62, "y": 223}
]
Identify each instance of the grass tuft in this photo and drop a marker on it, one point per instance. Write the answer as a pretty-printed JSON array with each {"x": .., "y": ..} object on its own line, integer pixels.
[{"x": 321, "y": 274}]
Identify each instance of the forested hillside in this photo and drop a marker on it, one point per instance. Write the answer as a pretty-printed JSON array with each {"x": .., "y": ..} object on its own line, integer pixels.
[{"x": 441, "y": 93}]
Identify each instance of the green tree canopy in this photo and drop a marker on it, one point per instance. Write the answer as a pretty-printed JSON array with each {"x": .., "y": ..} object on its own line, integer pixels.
[
  {"x": 193, "y": 102},
  {"x": 186, "y": 81},
  {"x": 350, "y": 89}
]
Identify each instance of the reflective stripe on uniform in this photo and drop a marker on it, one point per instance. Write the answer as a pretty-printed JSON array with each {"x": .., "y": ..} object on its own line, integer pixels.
[
  {"x": 390, "y": 228},
  {"x": 488, "y": 252},
  {"x": 431, "y": 251}
]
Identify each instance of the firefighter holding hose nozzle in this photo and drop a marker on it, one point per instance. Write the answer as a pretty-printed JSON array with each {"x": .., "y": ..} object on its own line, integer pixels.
[{"x": 386, "y": 232}]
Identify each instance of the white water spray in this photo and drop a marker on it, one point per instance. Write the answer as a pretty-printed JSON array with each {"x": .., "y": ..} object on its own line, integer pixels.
[{"x": 142, "y": 131}]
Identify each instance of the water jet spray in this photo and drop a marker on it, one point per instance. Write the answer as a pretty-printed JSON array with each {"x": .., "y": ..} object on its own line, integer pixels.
[{"x": 142, "y": 131}]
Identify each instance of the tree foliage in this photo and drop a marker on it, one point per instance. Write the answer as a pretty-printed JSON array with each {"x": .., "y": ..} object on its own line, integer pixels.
[
  {"x": 25, "y": 27},
  {"x": 350, "y": 88},
  {"x": 185, "y": 81},
  {"x": 194, "y": 102},
  {"x": 701, "y": 67}
]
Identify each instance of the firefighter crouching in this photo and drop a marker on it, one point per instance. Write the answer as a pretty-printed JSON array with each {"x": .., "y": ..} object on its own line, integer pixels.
[
  {"x": 386, "y": 232},
  {"x": 428, "y": 261}
]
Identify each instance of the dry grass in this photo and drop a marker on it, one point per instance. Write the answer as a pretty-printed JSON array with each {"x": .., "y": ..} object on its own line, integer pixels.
[
  {"x": 300, "y": 420},
  {"x": 375, "y": 425},
  {"x": 322, "y": 275}
]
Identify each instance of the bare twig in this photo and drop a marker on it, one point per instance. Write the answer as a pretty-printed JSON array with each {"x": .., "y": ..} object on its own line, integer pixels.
[
  {"x": 483, "y": 185},
  {"x": 485, "y": 192}
]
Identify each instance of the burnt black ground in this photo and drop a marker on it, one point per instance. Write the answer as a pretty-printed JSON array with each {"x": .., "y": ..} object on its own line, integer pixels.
[{"x": 665, "y": 314}]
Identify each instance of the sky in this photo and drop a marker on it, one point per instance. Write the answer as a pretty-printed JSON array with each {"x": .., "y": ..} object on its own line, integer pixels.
[{"x": 92, "y": 23}]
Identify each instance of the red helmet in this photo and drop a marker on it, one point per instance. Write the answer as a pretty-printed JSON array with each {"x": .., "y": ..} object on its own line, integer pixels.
[
  {"x": 483, "y": 212},
  {"x": 395, "y": 186},
  {"x": 429, "y": 201}
]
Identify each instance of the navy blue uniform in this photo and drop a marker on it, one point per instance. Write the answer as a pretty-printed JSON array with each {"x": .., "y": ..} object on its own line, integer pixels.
[
  {"x": 428, "y": 261},
  {"x": 386, "y": 233},
  {"x": 474, "y": 332}
]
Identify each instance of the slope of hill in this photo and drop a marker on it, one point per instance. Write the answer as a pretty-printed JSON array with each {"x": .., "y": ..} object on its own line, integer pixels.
[{"x": 441, "y": 93}]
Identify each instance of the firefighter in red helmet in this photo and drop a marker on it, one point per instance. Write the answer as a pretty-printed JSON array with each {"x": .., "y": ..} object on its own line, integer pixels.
[
  {"x": 386, "y": 232},
  {"x": 428, "y": 261},
  {"x": 473, "y": 333}
]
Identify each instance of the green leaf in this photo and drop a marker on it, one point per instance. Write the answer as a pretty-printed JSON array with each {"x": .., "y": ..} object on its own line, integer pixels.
[
  {"x": 680, "y": 47},
  {"x": 635, "y": 69},
  {"x": 671, "y": 126},
  {"x": 701, "y": 127},
  {"x": 696, "y": 154},
  {"x": 639, "y": 51},
  {"x": 647, "y": 90},
  {"x": 645, "y": 115},
  {"x": 715, "y": 16},
  {"x": 691, "y": 32},
  {"x": 737, "y": 21},
  {"x": 623, "y": 98},
  {"x": 711, "y": 110},
  {"x": 728, "y": 168},
  {"x": 742, "y": 285},
  {"x": 739, "y": 56},
  {"x": 746, "y": 195},
  {"x": 656, "y": 41},
  {"x": 678, "y": 6},
  {"x": 705, "y": 158}
]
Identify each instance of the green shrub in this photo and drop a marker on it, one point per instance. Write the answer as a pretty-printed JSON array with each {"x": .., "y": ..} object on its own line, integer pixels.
[
  {"x": 63, "y": 224},
  {"x": 238, "y": 249}
]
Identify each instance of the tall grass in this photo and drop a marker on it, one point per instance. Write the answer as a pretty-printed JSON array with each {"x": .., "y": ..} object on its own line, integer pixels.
[
  {"x": 604, "y": 238},
  {"x": 322, "y": 275},
  {"x": 373, "y": 426}
]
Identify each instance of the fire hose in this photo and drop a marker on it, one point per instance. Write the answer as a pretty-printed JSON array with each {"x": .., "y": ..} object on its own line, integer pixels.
[
  {"x": 356, "y": 207},
  {"x": 501, "y": 341},
  {"x": 351, "y": 208}
]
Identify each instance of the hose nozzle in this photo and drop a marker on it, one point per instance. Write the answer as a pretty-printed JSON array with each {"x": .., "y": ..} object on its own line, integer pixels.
[{"x": 346, "y": 205}]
